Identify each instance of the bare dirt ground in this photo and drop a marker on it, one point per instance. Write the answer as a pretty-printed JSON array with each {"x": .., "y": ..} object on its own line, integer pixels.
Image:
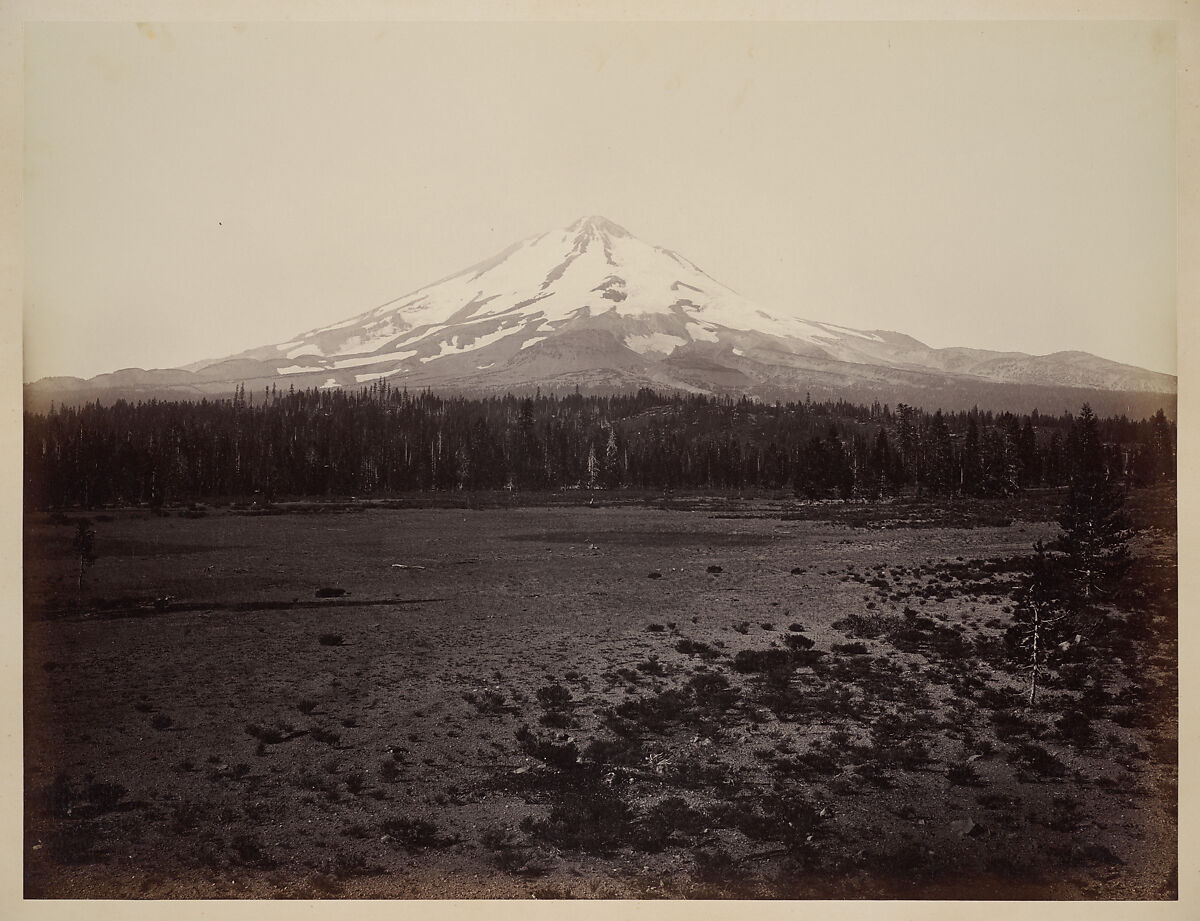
[{"x": 582, "y": 702}]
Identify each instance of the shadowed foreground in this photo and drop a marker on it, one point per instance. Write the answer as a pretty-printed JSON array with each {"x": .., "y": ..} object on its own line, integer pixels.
[{"x": 717, "y": 700}]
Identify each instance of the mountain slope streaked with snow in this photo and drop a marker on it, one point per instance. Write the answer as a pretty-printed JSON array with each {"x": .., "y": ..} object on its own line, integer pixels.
[
  {"x": 592, "y": 306},
  {"x": 593, "y": 273}
]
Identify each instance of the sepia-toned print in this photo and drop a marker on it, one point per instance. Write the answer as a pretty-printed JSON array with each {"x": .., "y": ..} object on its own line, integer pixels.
[{"x": 766, "y": 488}]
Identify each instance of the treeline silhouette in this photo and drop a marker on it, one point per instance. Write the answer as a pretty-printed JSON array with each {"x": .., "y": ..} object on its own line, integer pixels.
[{"x": 379, "y": 441}]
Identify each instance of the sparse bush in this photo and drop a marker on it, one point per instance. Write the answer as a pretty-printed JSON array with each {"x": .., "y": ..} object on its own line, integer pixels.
[
  {"x": 621, "y": 750},
  {"x": 1010, "y": 724},
  {"x": 1037, "y": 759},
  {"x": 963, "y": 774},
  {"x": 652, "y": 666},
  {"x": 874, "y": 773},
  {"x": 588, "y": 818},
  {"x": 1075, "y": 727},
  {"x": 665, "y": 820},
  {"x": 713, "y": 692},
  {"x": 865, "y": 626},
  {"x": 696, "y": 648},
  {"x": 510, "y": 855},
  {"x": 489, "y": 703},
  {"x": 762, "y": 660},
  {"x": 556, "y": 719},
  {"x": 791, "y": 820},
  {"x": 498, "y": 838},
  {"x": 412, "y": 834},
  {"x": 653, "y": 714},
  {"x": 692, "y": 773},
  {"x": 560, "y": 755},
  {"x": 991, "y": 698}
]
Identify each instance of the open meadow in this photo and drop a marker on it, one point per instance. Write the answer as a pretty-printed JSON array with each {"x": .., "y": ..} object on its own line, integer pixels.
[{"x": 703, "y": 698}]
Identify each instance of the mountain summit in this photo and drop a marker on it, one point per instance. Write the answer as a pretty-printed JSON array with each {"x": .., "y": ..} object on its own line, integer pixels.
[
  {"x": 589, "y": 301},
  {"x": 594, "y": 307}
]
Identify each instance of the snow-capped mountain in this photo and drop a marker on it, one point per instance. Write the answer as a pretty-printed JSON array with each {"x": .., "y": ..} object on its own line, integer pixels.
[
  {"x": 588, "y": 298},
  {"x": 592, "y": 306}
]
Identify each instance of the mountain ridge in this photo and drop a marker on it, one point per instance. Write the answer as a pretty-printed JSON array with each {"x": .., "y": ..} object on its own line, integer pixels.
[{"x": 592, "y": 306}]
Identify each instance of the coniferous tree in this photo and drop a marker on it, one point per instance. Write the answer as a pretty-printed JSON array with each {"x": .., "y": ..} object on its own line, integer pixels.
[
  {"x": 813, "y": 469},
  {"x": 1039, "y": 617},
  {"x": 593, "y": 468},
  {"x": 1159, "y": 451},
  {"x": 1094, "y": 523},
  {"x": 941, "y": 460},
  {"x": 1028, "y": 462},
  {"x": 885, "y": 464},
  {"x": 84, "y": 543},
  {"x": 972, "y": 467},
  {"x": 611, "y": 471},
  {"x": 909, "y": 443},
  {"x": 841, "y": 472}
]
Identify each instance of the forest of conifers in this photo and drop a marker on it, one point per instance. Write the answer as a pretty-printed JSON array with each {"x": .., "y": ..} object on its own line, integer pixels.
[{"x": 381, "y": 441}]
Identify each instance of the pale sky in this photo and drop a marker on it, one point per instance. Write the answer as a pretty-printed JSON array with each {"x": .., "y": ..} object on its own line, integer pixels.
[{"x": 195, "y": 190}]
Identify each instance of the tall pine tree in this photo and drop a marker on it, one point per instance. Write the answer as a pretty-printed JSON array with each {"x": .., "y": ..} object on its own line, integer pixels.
[
  {"x": 1039, "y": 617},
  {"x": 1095, "y": 527}
]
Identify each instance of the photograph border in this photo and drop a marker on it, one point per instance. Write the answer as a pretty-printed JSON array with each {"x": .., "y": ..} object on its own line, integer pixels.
[{"x": 13, "y": 15}]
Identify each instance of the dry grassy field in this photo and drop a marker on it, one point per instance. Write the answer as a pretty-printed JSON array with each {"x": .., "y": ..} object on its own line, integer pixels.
[{"x": 702, "y": 699}]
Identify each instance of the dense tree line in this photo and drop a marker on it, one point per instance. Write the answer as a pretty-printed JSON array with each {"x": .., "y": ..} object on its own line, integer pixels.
[{"x": 379, "y": 441}]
